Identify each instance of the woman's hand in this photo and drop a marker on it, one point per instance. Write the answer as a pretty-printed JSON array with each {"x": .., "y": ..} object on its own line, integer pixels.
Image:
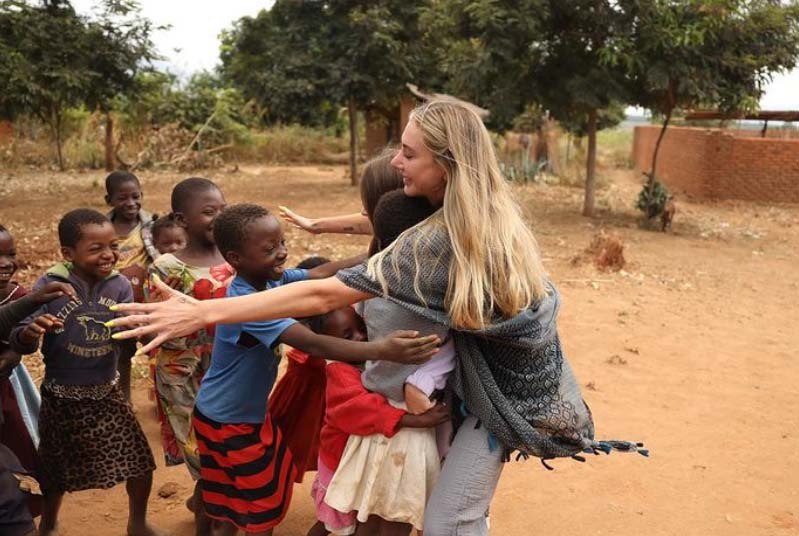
[
  {"x": 407, "y": 347},
  {"x": 178, "y": 316},
  {"x": 300, "y": 222}
]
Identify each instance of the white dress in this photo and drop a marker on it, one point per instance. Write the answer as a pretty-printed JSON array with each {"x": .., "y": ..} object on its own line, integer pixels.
[{"x": 388, "y": 477}]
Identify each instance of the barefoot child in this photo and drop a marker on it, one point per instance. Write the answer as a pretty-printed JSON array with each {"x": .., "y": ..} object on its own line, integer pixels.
[
  {"x": 90, "y": 438},
  {"x": 132, "y": 225},
  {"x": 247, "y": 471},
  {"x": 198, "y": 270}
]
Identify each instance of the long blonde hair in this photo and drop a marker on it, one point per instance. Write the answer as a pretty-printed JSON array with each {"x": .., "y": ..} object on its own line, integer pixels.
[{"x": 496, "y": 267}]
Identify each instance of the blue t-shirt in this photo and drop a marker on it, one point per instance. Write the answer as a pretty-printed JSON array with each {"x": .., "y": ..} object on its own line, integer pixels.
[{"x": 243, "y": 364}]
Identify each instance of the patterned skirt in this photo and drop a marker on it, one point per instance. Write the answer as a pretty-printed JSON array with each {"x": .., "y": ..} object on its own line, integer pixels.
[
  {"x": 90, "y": 443},
  {"x": 247, "y": 472}
]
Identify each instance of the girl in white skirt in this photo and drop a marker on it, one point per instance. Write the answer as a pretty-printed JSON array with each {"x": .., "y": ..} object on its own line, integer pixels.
[{"x": 388, "y": 480}]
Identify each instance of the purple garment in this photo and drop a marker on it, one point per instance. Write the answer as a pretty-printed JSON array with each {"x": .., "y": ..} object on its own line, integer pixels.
[
  {"x": 82, "y": 353},
  {"x": 433, "y": 375}
]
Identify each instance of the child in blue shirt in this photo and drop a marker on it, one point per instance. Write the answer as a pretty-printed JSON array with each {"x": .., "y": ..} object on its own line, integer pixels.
[{"x": 246, "y": 469}]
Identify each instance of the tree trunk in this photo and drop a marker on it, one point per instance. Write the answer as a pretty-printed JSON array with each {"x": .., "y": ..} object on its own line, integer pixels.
[
  {"x": 109, "y": 143},
  {"x": 353, "y": 115},
  {"x": 652, "y": 177},
  {"x": 590, "y": 166},
  {"x": 55, "y": 124},
  {"x": 568, "y": 146}
]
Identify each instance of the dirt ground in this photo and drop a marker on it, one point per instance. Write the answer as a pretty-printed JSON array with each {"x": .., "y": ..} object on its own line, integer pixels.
[{"x": 691, "y": 349}]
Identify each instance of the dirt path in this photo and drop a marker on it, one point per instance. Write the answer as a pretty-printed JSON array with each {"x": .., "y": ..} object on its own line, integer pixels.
[{"x": 691, "y": 349}]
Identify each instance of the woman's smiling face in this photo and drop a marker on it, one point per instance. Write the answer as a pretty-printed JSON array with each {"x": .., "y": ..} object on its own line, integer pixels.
[{"x": 421, "y": 174}]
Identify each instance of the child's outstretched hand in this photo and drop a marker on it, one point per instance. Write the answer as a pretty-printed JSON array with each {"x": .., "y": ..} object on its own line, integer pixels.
[
  {"x": 301, "y": 222},
  {"x": 51, "y": 291},
  {"x": 40, "y": 325},
  {"x": 407, "y": 347},
  {"x": 432, "y": 417}
]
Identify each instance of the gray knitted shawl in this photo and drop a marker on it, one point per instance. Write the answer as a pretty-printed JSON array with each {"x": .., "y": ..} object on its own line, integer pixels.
[{"x": 512, "y": 375}]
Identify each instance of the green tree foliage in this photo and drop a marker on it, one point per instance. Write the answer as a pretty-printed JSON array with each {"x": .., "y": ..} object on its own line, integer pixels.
[
  {"x": 279, "y": 60},
  {"x": 508, "y": 54},
  {"x": 202, "y": 102},
  {"x": 688, "y": 53},
  {"x": 486, "y": 51},
  {"x": 52, "y": 59},
  {"x": 302, "y": 61}
]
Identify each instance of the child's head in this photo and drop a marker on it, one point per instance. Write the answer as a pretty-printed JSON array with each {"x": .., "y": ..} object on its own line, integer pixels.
[
  {"x": 252, "y": 242},
  {"x": 378, "y": 177},
  {"x": 312, "y": 262},
  {"x": 8, "y": 258},
  {"x": 89, "y": 242},
  {"x": 343, "y": 323},
  {"x": 396, "y": 213},
  {"x": 196, "y": 202},
  {"x": 123, "y": 194},
  {"x": 168, "y": 235}
]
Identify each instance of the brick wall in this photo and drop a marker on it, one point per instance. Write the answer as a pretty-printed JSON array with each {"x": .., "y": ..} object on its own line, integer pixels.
[{"x": 713, "y": 163}]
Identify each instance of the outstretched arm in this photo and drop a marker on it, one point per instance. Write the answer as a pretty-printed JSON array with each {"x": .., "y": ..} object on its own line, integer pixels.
[
  {"x": 181, "y": 314},
  {"x": 356, "y": 223}
]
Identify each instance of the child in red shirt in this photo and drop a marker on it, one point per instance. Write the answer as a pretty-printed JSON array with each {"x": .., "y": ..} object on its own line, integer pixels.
[{"x": 352, "y": 410}]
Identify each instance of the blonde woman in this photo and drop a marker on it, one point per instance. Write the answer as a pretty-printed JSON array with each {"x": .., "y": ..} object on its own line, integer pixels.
[{"x": 473, "y": 266}]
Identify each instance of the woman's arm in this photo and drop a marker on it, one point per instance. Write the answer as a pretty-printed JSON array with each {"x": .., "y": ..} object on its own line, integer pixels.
[
  {"x": 356, "y": 223},
  {"x": 181, "y": 315}
]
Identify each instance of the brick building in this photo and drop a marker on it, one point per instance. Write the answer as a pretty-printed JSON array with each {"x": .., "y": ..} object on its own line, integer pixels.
[{"x": 721, "y": 164}]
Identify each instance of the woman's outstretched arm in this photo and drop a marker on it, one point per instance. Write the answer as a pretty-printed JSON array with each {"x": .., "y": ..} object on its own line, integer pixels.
[
  {"x": 181, "y": 315},
  {"x": 356, "y": 223}
]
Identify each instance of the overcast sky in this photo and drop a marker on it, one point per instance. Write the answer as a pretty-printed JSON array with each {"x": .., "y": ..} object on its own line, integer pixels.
[{"x": 192, "y": 42}]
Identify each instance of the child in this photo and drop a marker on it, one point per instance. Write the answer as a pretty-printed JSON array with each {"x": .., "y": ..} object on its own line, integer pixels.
[
  {"x": 19, "y": 496},
  {"x": 19, "y": 398},
  {"x": 168, "y": 235},
  {"x": 247, "y": 471},
  {"x": 352, "y": 410},
  {"x": 198, "y": 270},
  {"x": 297, "y": 403},
  {"x": 90, "y": 438},
  {"x": 132, "y": 225},
  {"x": 391, "y": 496}
]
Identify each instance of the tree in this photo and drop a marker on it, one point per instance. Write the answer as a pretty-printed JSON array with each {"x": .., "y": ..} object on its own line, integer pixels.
[
  {"x": 279, "y": 62},
  {"x": 122, "y": 47},
  {"x": 302, "y": 61},
  {"x": 54, "y": 59},
  {"x": 682, "y": 54},
  {"x": 507, "y": 54}
]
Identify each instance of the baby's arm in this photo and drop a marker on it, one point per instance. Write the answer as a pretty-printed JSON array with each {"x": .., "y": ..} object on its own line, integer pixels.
[{"x": 429, "y": 377}]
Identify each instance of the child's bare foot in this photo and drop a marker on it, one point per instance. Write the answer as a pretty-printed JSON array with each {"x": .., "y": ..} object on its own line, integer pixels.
[{"x": 146, "y": 530}]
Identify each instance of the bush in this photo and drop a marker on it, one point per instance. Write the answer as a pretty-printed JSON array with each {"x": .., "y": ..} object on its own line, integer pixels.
[{"x": 652, "y": 201}]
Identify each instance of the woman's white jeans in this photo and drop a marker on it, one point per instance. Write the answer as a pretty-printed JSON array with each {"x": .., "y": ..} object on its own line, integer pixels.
[{"x": 463, "y": 493}]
